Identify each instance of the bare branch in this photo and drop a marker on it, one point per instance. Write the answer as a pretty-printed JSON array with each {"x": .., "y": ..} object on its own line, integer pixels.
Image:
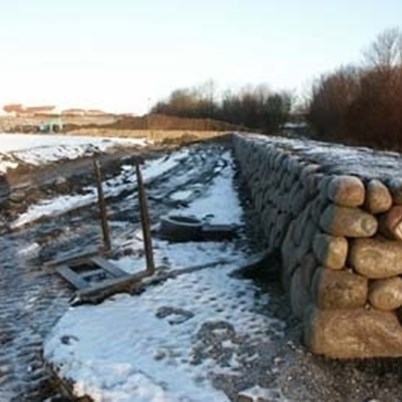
[{"x": 386, "y": 51}]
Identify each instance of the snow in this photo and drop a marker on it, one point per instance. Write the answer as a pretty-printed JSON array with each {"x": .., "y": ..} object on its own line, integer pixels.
[
  {"x": 181, "y": 195},
  {"x": 294, "y": 125},
  {"x": 156, "y": 346},
  {"x": 144, "y": 348},
  {"x": 53, "y": 207},
  {"x": 112, "y": 188},
  {"x": 339, "y": 158},
  {"x": 37, "y": 149},
  {"x": 174, "y": 256},
  {"x": 29, "y": 250},
  {"x": 23, "y": 142},
  {"x": 258, "y": 393},
  {"x": 160, "y": 166},
  {"x": 220, "y": 204}
]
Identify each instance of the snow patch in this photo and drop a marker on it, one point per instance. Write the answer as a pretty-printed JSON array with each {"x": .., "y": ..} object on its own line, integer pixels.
[
  {"x": 175, "y": 255},
  {"x": 159, "y": 345},
  {"x": 112, "y": 188},
  {"x": 219, "y": 204},
  {"x": 27, "y": 142},
  {"x": 30, "y": 250},
  {"x": 149, "y": 346},
  {"x": 259, "y": 394},
  {"x": 54, "y": 207},
  {"x": 38, "y": 149},
  {"x": 158, "y": 167}
]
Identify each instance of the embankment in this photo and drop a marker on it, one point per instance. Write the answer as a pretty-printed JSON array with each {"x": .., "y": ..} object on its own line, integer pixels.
[{"x": 335, "y": 213}]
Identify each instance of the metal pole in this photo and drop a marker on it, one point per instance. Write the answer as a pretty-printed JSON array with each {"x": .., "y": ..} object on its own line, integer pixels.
[
  {"x": 146, "y": 230},
  {"x": 102, "y": 207}
]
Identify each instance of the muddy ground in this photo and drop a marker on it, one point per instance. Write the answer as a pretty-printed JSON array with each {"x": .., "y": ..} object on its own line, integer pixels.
[{"x": 33, "y": 298}]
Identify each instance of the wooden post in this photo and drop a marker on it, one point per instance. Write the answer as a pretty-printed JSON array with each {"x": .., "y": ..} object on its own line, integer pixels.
[
  {"x": 146, "y": 230},
  {"x": 102, "y": 207}
]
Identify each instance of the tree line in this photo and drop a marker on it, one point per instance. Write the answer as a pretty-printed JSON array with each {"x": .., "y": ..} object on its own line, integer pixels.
[
  {"x": 362, "y": 104},
  {"x": 254, "y": 107},
  {"x": 357, "y": 104}
]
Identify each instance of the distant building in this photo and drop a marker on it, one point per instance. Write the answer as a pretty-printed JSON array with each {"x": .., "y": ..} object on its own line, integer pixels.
[
  {"x": 51, "y": 126},
  {"x": 83, "y": 112},
  {"x": 21, "y": 110},
  {"x": 95, "y": 112},
  {"x": 13, "y": 108},
  {"x": 73, "y": 112}
]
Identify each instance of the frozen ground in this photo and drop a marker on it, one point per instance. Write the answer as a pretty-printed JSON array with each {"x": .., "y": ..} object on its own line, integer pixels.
[
  {"x": 113, "y": 187},
  {"x": 154, "y": 346},
  {"x": 40, "y": 237},
  {"x": 38, "y": 149},
  {"x": 211, "y": 334},
  {"x": 151, "y": 347}
]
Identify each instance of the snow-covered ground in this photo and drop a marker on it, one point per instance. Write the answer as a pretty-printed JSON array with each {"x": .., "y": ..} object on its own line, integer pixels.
[
  {"x": 201, "y": 335},
  {"x": 112, "y": 188},
  {"x": 38, "y": 149},
  {"x": 220, "y": 204},
  {"x": 162, "y": 345},
  {"x": 208, "y": 207},
  {"x": 145, "y": 348}
]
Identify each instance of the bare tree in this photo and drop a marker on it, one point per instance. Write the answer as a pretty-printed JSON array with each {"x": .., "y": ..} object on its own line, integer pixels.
[
  {"x": 363, "y": 104},
  {"x": 332, "y": 95},
  {"x": 386, "y": 50},
  {"x": 253, "y": 106}
]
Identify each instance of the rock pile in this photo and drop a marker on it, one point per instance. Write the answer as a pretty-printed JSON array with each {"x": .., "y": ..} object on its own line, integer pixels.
[{"x": 335, "y": 212}]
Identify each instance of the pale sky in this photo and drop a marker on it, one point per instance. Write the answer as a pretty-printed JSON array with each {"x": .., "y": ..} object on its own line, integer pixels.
[{"x": 124, "y": 55}]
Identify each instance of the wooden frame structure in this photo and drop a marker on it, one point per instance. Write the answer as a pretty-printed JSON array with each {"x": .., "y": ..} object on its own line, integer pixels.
[{"x": 93, "y": 276}]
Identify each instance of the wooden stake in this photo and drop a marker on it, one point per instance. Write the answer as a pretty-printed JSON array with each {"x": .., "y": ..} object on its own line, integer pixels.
[
  {"x": 102, "y": 207},
  {"x": 146, "y": 230}
]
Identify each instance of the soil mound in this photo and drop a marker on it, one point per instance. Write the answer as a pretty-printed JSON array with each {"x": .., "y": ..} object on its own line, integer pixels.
[{"x": 163, "y": 122}]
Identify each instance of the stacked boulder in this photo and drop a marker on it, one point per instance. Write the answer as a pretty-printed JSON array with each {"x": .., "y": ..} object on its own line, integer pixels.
[{"x": 340, "y": 237}]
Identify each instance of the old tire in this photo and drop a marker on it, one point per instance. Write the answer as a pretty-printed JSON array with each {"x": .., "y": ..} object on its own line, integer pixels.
[{"x": 181, "y": 228}]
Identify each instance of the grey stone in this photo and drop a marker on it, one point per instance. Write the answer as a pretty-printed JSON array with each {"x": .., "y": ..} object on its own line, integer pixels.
[
  {"x": 395, "y": 185},
  {"x": 300, "y": 295}
]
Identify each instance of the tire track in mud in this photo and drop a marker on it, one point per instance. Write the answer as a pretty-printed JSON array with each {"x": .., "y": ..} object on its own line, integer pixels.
[{"x": 32, "y": 299}]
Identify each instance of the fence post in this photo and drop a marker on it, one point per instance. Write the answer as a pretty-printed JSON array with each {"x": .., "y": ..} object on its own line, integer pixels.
[
  {"x": 102, "y": 207},
  {"x": 146, "y": 229}
]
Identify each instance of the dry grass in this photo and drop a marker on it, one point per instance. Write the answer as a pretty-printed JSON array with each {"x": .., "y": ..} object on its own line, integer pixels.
[{"x": 157, "y": 136}]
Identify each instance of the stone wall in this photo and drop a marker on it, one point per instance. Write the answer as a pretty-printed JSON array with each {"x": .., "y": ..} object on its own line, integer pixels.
[{"x": 335, "y": 213}]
